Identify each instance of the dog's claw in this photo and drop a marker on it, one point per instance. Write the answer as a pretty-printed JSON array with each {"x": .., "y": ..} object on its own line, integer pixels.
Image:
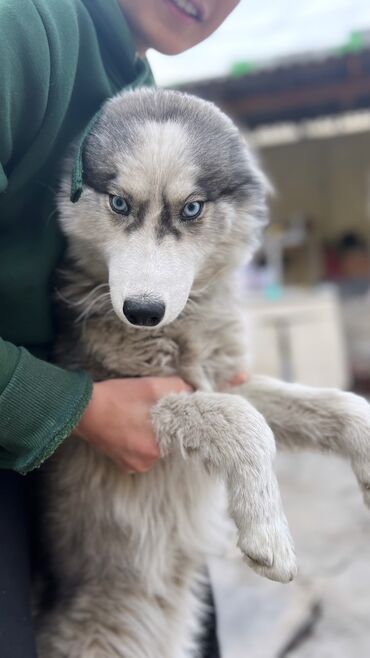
[
  {"x": 285, "y": 575},
  {"x": 259, "y": 560},
  {"x": 255, "y": 547}
]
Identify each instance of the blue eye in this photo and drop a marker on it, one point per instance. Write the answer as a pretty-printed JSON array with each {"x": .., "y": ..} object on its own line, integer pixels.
[
  {"x": 119, "y": 205},
  {"x": 192, "y": 210}
]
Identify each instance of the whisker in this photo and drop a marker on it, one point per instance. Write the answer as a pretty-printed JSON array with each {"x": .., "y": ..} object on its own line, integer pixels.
[
  {"x": 105, "y": 296},
  {"x": 85, "y": 316},
  {"x": 81, "y": 301}
]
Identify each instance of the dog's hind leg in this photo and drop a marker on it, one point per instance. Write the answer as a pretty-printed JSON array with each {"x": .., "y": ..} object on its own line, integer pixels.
[
  {"x": 233, "y": 440},
  {"x": 327, "y": 420}
]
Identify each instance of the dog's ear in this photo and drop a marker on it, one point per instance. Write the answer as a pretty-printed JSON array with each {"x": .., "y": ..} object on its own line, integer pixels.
[
  {"x": 255, "y": 166},
  {"x": 260, "y": 187}
]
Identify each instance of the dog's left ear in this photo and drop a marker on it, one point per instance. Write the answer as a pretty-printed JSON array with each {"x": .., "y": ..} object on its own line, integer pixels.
[
  {"x": 260, "y": 186},
  {"x": 254, "y": 165}
]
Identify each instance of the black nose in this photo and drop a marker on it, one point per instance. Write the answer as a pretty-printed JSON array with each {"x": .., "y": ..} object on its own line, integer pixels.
[{"x": 143, "y": 312}]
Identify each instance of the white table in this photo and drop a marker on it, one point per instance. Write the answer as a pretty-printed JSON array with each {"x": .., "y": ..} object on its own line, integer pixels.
[{"x": 299, "y": 337}]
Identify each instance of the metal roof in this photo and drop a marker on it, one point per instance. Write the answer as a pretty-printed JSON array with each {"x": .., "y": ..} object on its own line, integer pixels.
[{"x": 292, "y": 90}]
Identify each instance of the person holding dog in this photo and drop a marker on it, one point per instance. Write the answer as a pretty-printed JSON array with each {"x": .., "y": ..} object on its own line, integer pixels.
[{"x": 59, "y": 61}]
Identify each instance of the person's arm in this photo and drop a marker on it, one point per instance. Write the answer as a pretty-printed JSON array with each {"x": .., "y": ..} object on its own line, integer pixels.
[
  {"x": 40, "y": 404},
  {"x": 117, "y": 421}
]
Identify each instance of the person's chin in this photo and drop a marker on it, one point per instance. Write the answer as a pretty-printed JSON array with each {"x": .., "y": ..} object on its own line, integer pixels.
[{"x": 175, "y": 48}]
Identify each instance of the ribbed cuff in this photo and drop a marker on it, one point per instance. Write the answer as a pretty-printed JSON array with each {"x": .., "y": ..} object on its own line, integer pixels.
[
  {"x": 39, "y": 408},
  {"x": 9, "y": 357}
]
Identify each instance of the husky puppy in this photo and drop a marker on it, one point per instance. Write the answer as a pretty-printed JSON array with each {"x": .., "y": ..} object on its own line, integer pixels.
[{"x": 173, "y": 203}]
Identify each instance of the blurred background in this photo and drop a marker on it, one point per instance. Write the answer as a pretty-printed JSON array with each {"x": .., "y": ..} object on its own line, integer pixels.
[{"x": 296, "y": 79}]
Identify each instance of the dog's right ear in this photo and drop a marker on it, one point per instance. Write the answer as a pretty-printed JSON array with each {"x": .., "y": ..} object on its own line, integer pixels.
[{"x": 77, "y": 169}]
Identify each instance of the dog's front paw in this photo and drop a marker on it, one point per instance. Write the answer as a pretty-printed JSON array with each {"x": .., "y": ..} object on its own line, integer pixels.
[
  {"x": 353, "y": 421},
  {"x": 264, "y": 536},
  {"x": 361, "y": 469},
  {"x": 268, "y": 549}
]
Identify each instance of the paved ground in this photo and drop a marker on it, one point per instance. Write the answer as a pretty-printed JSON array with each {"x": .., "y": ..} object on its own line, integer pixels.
[{"x": 325, "y": 613}]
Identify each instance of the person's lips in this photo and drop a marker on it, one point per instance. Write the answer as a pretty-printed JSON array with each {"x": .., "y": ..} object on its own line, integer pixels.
[{"x": 187, "y": 8}]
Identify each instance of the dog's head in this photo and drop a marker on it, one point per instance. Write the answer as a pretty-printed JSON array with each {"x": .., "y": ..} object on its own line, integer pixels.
[{"x": 172, "y": 199}]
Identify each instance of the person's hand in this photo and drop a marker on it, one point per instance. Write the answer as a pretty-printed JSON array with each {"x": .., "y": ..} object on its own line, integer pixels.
[
  {"x": 238, "y": 379},
  {"x": 117, "y": 419}
]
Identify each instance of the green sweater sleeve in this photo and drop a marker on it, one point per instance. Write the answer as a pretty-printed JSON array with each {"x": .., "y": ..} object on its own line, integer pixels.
[
  {"x": 59, "y": 61},
  {"x": 39, "y": 402}
]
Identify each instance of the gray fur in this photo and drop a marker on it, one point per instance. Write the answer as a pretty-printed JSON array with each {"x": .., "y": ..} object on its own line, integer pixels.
[{"x": 127, "y": 550}]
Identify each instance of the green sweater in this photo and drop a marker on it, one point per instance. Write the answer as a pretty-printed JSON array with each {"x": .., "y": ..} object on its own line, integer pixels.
[{"x": 59, "y": 61}]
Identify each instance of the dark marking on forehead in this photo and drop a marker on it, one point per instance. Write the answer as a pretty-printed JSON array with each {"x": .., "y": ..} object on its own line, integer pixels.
[
  {"x": 217, "y": 186},
  {"x": 166, "y": 224},
  {"x": 96, "y": 177},
  {"x": 139, "y": 219}
]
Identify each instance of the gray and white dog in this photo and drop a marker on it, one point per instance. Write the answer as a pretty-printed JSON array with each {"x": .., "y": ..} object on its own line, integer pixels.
[{"x": 173, "y": 203}]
